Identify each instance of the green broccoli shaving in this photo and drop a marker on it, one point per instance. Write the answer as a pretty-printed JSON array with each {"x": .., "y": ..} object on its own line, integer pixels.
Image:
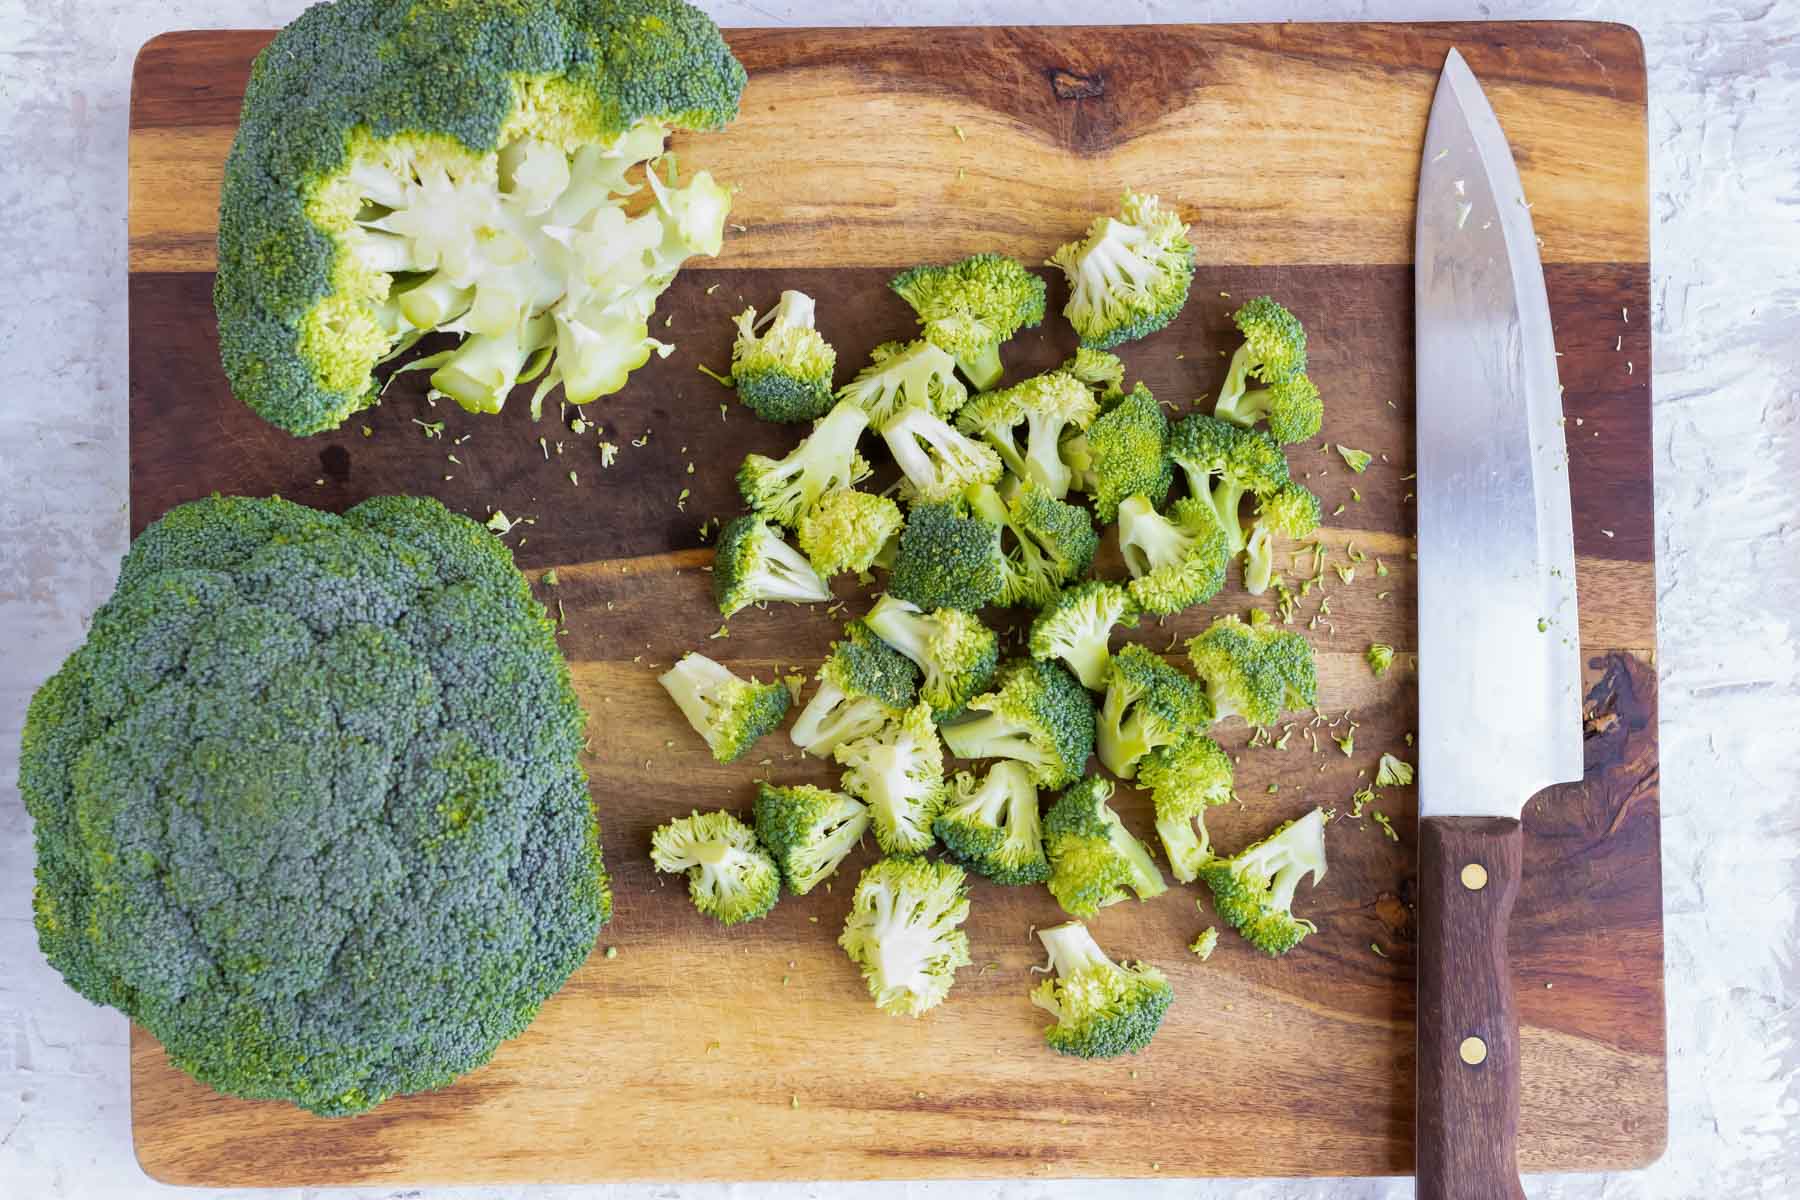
[
  {"x": 730, "y": 877},
  {"x": 1103, "y": 1009},
  {"x": 1254, "y": 891},
  {"x": 826, "y": 459},
  {"x": 1037, "y": 713},
  {"x": 1044, "y": 542},
  {"x": 1050, "y": 406},
  {"x": 956, "y": 652},
  {"x": 904, "y": 932},
  {"x": 752, "y": 564},
  {"x": 1380, "y": 657},
  {"x": 970, "y": 307},
  {"x": 948, "y": 560},
  {"x": 1094, "y": 859},
  {"x": 1176, "y": 561},
  {"x": 991, "y": 825},
  {"x": 904, "y": 375},
  {"x": 1393, "y": 772},
  {"x": 1356, "y": 460},
  {"x": 899, "y": 773},
  {"x": 809, "y": 831},
  {"x": 847, "y": 530},
  {"x": 1129, "y": 277},
  {"x": 1274, "y": 348},
  {"x": 1148, "y": 704},
  {"x": 1076, "y": 625},
  {"x": 863, "y": 685},
  {"x": 1290, "y": 511},
  {"x": 938, "y": 463},
  {"x": 1186, "y": 779},
  {"x": 784, "y": 372},
  {"x": 1208, "y": 941},
  {"x": 1291, "y": 406},
  {"x": 1256, "y": 672},
  {"x": 1124, "y": 452},
  {"x": 730, "y": 713}
]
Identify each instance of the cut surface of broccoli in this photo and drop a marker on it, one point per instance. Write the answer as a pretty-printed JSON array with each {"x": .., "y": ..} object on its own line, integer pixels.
[
  {"x": 1103, "y": 1009},
  {"x": 1254, "y": 890},
  {"x": 751, "y": 564},
  {"x": 1076, "y": 626},
  {"x": 1129, "y": 276},
  {"x": 905, "y": 932},
  {"x": 990, "y": 824},
  {"x": 730, "y": 713},
  {"x": 898, "y": 771},
  {"x": 731, "y": 878},
  {"x": 969, "y": 308},
  {"x": 808, "y": 831}
]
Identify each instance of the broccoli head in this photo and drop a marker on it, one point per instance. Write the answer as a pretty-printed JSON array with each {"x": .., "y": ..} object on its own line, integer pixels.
[
  {"x": 1290, "y": 511},
  {"x": 948, "y": 559},
  {"x": 904, "y": 931},
  {"x": 1101, "y": 370},
  {"x": 1254, "y": 890},
  {"x": 898, "y": 771},
  {"x": 1185, "y": 779},
  {"x": 863, "y": 685},
  {"x": 991, "y": 825},
  {"x": 938, "y": 462},
  {"x": 826, "y": 459},
  {"x": 808, "y": 831},
  {"x": 309, "y": 802},
  {"x": 463, "y": 168},
  {"x": 903, "y": 375},
  {"x": 1148, "y": 704},
  {"x": 847, "y": 530},
  {"x": 1076, "y": 625},
  {"x": 1176, "y": 561},
  {"x": 968, "y": 308},
  {"x": 751, "y": 564},
  {"x": 1129, "y": 277},
  {"x": 1037, "y": 713},
  {"x": 1274, "y": 348},
  {"x": 1094, "y": 859},
  {"x": 1103, "y": 1009},
  {"x": 1125, "y": 452},
  {"x": 781, "y": 365},
  {"x": 1256, "y": 672},
  {"x": 1291, "y": 406},
  {"x": 956, "y": 652},
  {"x": 1223, "y": 464},
  {"x": 1050, "y": 406},
  {"x": 730, "y": 713},
  {"x": 731, "y": 878},
  {"x": 1044, "y": 542}
]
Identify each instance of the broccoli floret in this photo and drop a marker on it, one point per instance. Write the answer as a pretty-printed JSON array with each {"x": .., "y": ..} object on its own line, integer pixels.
[
  {"x": 1356, "y": 460},
  {"x": 1380, "y": 657},
  {"x": 947, "y": 559},
  {"x": 808, "y": 830},
  {"x": 730, "y": 877},
  {"x": 783, "y": 490},
  {"x": 462, "y": 168},
  {"x": 1103, "y": 372},
  {"x": 1204, "y": 945},
  {"x": 1254, "y": 891},
  {"x": 1037, "y": 713},
  {"x": 1093, "y": 857},
  {"x": 1176, "y": 561},
  {"x": 1125, "y": 452},
  {"x": 1185, "y": 779},
  {"x": 752, "y": 564},
  {"x": 938, "y": 462},
  {"x": 903, "y": 375},
  {"x": 847, "y": 530},
  {"x": 1393, "y": 772},
  {"x": 784, "y": 372},
  {"x": 956, "y": 652},
  {"x": 1129, "y": 277},
  {"x": 863, "y": 685},
  {"x": 730, "y": 713},
  {"x": 1050, "y": 406},
  {"x": 1044, "y": 542},
  {"x": 899, "y": 773},
  {"x": 1291, "y": 511},
  {"x": 1274, "y": 348},
  {"x": 1103, "y": 1009},
  {"x": 991, "y": 825},
  {"x": 968, "y": 308},
  {"x": 1148, "y": 704},
  {"x": 1256, "y": 672},
  {"x": 1290, "y": 405},
  {"x": 1076, "y": 625},
  {"x": 1224, "y": 463},
  {"x": 904, "y": 932}
]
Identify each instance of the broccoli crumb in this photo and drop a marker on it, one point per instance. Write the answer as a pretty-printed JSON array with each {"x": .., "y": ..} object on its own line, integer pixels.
[
  {"x": 499, "y": 523},
  {"x": 1393, "y": 772},
  {"x": 613, "y": 952},
  {"x": 548, "y": 578},
  {"x": 367, "y": 432},
  {"x": 1347, "y": 743},
  {"x": 1376, "y": 947},
  {"x": 1387, "y": 826},
  {"x": 609, "y": 454},
  {"x": 721, "y": 380},
  {"x": 1356, "y": 460},
  {"x": 1380, "y": 657},
  {"x": 433, "y": 429}
]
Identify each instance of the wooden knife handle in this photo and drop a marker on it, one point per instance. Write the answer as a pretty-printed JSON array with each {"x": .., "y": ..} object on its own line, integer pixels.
[{"x": 1468, "y": 1082}]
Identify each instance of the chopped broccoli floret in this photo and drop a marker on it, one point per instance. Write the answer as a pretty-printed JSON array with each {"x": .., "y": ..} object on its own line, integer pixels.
[
  {"x": 730, "y": 877},
  {"x": 1290, "y": 405},
  {"x": 1044, "y": 542},
  {"x": 1129, "y": 277},
  {"x": 1291, "y": 511},
  {"x": 1125, "y": 452},
  {"x": 1393, "y": 772},
  {"x": 782, "y": 490},
  {"x": 1208, "y": 941},
  {"x": 1076, "y": 625},
  {"x": 1256, "y": 672},
  {"x": 1101, "y": 370},
  {"x": 1148, "y": 704},
  {"x": 1380, "y": 657},
  {"x": 899, "y": 773},
  {"x": 1186, "y": 779},
  {"x": 1274, "y": 348},
  {"x": 730, "y": 713},
  {"x": 903, "y": 375},
  {"x": 1093, "y": 857},
  {"x": 808, "y": 830},
  {"x": 1356, "y": 460},
  {"x": 948, "y": 560},
  {"x": 847, "y": 530},
  {"x": 952, "y": 647},
  {"x": 752, "y": 564},
  {"x": 1103, "y": 1009},
  {"x": 863, "y": 685},
  {"x": 1254, "y": 891},
  {"x": 1176, "y": 561},
  {"x": 784, "y": 372},
  {"x": 991, "y": 825},
  {"x": 904, "y": 932},
  {"x": 970, "y": 307},
  {"x": 939, "y": 462},
  {"x": 1037, "y": 713},
  {"x": 1050, "y": 406},
  {"x": 1224, "y": 463}
]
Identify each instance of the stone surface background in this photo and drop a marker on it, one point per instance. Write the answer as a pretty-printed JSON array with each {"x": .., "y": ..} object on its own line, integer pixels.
[{"x": 1725, "y": 157}]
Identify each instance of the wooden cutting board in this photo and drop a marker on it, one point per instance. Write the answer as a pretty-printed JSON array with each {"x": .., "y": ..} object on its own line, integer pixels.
[{"x": 698, "y": 1053}]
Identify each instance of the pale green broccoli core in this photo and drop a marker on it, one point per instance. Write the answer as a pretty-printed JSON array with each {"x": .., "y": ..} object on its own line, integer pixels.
[
  {"x": 1129, "y": 276},
  {"x": 730, "y": 877},
  {"x": 899, "y": 773},
  {"x": 730, "y": 713},
  {"x": 939, "y": 463},
  {"x": 903, "y": 377},
  {"x": 903, "y": 930}
]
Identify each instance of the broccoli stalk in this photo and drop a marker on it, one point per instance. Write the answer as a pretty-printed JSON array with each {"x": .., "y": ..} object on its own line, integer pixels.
[
  {"x": 939, "y": 463},
  {"x": 1129, "y": 277},
  {"x": 1254, "y": 671},
  {"x": 847, "y": 530},
  {"x": 1103, "y": 1009},
  {"x": 991, "y": 825},
  {"x": 1076, "y": 625},
  {"x": 903, "y": 375},
  {"x": 1050, "y": 406},
  {"x": 784, "y": 372},
  {"x": 1185, "y": 779},
  {"x": 752, "y": 564},
  {"x": 970, "y": 307},
  {"x": 899, "y": 773},
  {"x": 1044, "y": 542},
  {"x": 863, "y": 685},
  {"x": 1290, "y": 405},
  {"x": 956, "y": 652},
  {"x": 1176, "y": 561},
  {"x": 1038, "y": 714},
  {"x": 948, "y": 560},
  {"x": 1094, "y": 859},
  {"x": 1148, "y": 704},
  {"x": 826, "y": 459},
  {"x": 1124, "y": 452},
  {"x": 904, "y": 932},
  {"x": 730, "y": 713},
  {"x": 1291, "y": 511},
  {"x": 808, "y": 831},
  {"x": 1254, "y": 890},
  {"x": 730, "y": 877},
  {"x": 1273, "y": 349}
]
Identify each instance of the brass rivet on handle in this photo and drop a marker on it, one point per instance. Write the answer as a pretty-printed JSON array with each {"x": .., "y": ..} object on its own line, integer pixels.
[
  {"x": 1473, "y": 1051},
  {"x": 1474, "y": 877}
]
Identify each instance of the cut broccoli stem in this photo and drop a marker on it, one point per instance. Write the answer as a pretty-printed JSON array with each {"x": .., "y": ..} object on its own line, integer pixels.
[{"x": 983, "y": 368}]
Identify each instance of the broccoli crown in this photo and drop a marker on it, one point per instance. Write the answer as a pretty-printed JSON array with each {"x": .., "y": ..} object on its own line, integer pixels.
[
  {"x": 956, "y": 652},
  {"x": 1291, "y": 405},
  {"x": 752, "y": 564},
  {"x": 730, "y": 713},
  {"x": 1103, "y": 1009},
  {"x": 948, "y": 560},
  {"x": 784, "y": 372},
  {"x": 1185, "y": 779},
  {"x": 1049, "y": 405},
  {"x": 303, "y": 760},
  {"x": 968, "y": 308},
  {"x": 1076, "y": 624},
  {"x": 1129, "y": 277},
  {"x": 939, "y": 463},
  {"x": 1044, "y": 542},
  {"x": 392, "y": 161},
  {"x": 808, "y": 830},
  {"x": 1291, "y": 511},
  {"x": 1274, "y": 348},
  {"x": 1148, "y": 704},
  {"x": 730, "y": 877},
  {"x": 1102, "y": 371},
  {"x": 863, "y": 685},
  {"x": 1125, "y": 452},
  {"x": 1038, "y": 714},
  {"x": 1254, "y": 890},
  {"x": 826, "y": 459},
  {"x": 905, "y": 375},
  {"x": 991, "y": 825},
  {"x": 847, "y": 530},
  {"x": 899, "y": 772},
  {"x": 1093, "y": 857},
  {"x": 1176, "y": 561},
  {"x": 1224, "y": 463},
  {"x": 904, "y": 931},
  {"x": 1256, "y": 672}
]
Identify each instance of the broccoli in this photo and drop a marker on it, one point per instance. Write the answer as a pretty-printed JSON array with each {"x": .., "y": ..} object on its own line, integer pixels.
[
  {"x": 783, "y": 490},
  {"x": 1224, "y": 463},
  {"x": 1093, "y": 857},
  {"x": 899, "y": 773},
  {"x": 863, "y": 685},
  {"x": 903, "y": 931},
  {"x": 1380, "y": 657},
  {"x": 1049, "y": 406},
  {"x": 1148, "y": 704},
  {"x": 1176, "y": 561},
  {"x": 1125, "y": 452},
  {"x": 783, "y": 373},
  {"x": 1204, "y": 945},
  {"x": 903, "y": 375},
  {"x": 991, "y": 825},
  {"x": 948, "y": 560},
  {"x": 1103, "y": 1009},
  {"x": 730, "y": 713},
  {"x": 1393, "y": 772},
  {"x": 808, "y": 831},
  {"x": 1100, "y": 370},
  {"x": 1076, "y": 625},
  {"x": 1274, "y": 348},
  {"x": 1256, "y": 672},
  {"x": 968, "y": 308},
  {"x": 1291, "y": 511},
  {"x": 1044, "y": 542},
  {"x": 309, "y": 804},
  {"x": 1037, "y": 713},
  {"x": 847, "y": 530},
  {"x": 1254, "y": 891},
  {"x": 730, "y": 877},
  {"x": 1185, "y": 779},
  {"x": 939, "y": 462},
  {"x": 464, "y": 168},
  {"x": 952, "y": 647},
  {"x": 1291, "y": 405},
  {"x": 1356, "y": 460},
  {"x": 752, "y": 564},
  {"x": 1129, "y": 277}
]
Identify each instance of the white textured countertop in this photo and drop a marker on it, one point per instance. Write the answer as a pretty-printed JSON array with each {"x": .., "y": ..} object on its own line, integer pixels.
[{"x": 1725, "y": 178}]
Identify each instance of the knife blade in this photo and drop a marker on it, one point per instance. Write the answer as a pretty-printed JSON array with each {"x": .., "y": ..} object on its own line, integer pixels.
[{"x": 1499, "y": 646}]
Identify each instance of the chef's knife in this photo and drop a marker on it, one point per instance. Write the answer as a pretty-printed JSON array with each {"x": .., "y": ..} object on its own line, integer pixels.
[{"x": 1499, "y": 653}]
